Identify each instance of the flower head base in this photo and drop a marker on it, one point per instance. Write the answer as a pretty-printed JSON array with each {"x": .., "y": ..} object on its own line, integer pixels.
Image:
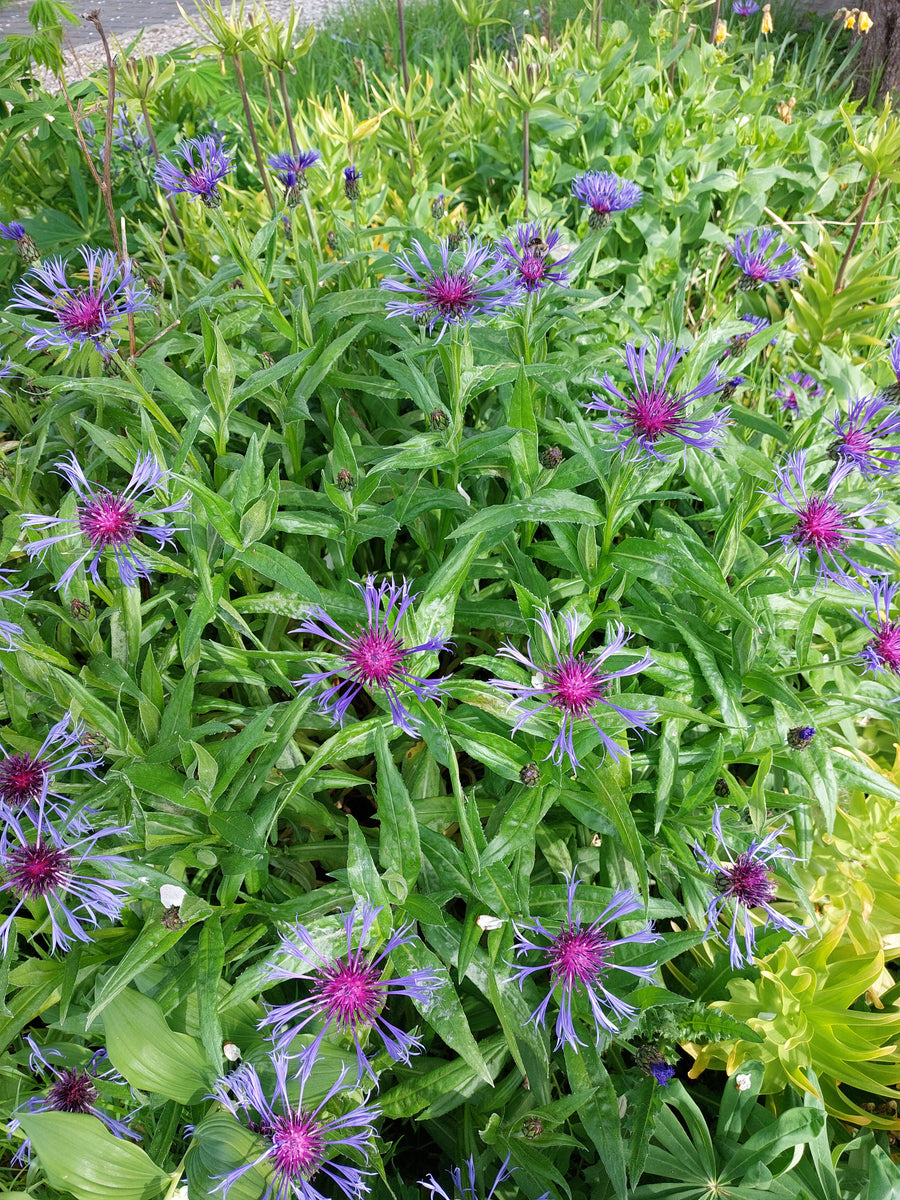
[
  {"x": 108, "y": 521},
  {"x": 744, "y": 882},
  {"x": 573, "y": 685},
  {"x": 9, "y": 630},
  {"x": 578, "y": 958},
  {"x": 374, "y": 657},
  {"x": 527, "y": 253},
  {"x": 290, "y": 171},
  {"x": 764, "y": 258},
  {"x": 25, "y": 779},
  {"x": 605, "y": 194},
  {"x": 207, "y": 164},
  {"x": 25, "y": 244},
  {"x": 351, "y": 183},
  {"x": 462, "y": 1191},
  {"x": 347, "y": 994},
  {"x": 462, "y": 288},
  {"x": 861, "y": 443},
  {"x": 824, "y": 529},
  {"x": 801, "y": 737},
  {"x": 84, "y": 314},
  {"x": 651, "y": 410},
  {"x": 796, "y": 388},
  {"x": 298, "y": 1141},
  {"x": 882, "y": 654}
]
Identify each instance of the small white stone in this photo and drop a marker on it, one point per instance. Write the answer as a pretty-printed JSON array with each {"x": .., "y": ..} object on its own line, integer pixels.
[
  {"x": 743, "y": 1083},
  {"x": 171, "y": 896},
  {"x": 232, "y": 1052},
  {"x": 486, "y": 921}
]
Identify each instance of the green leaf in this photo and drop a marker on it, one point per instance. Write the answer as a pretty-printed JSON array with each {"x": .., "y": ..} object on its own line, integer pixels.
[
  {"x": 674, "y": 569},
  {"x": 152, "y": 1056},
  {"x": 547, "y": 506},
  {"x": 399, "y": 850},
  {"x": 599, "y": 1115}
]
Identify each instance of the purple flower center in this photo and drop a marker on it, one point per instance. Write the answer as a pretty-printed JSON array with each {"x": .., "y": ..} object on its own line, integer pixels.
[
  {"x": 110, "y": 520},
  {"x": 73, "y": 1092},
  {"x": 451, "y": 295},
  {"x": 532, "y": 268},
  {"x": 821, "y": 524},
  {"x": 36, "y": 870},
  {"x": 21, "y": 778},
  {"x": 578, "y": 955},
  {"x": 298, "y": 1143},
  {"x": 350, "y": 993},
  {"x": 652, "y": 414},
  {"x": 83, "y": 313},
  {"x": 375, "y": 656},
  {"x": 756, "y": 267},
  {"x": 855, "y": 443},
  {"x": 747, "y": 881},
  {"x": 576, "y": 685},
  {"x": 886, "y": 645}
]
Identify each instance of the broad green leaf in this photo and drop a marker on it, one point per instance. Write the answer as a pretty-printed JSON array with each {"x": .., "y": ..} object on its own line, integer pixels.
[{"x": 152, "y": 1056}]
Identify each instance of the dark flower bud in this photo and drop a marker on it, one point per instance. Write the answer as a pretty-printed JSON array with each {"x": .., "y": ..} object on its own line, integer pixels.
[
  {"x": 28, "y": 250},
  {"x": 154, "y": 284},
  {"x": 351, "y": 183},
  {"x": 80, "y": 610},
  {"x": 331, "y": 240},
  {"x": 171, "y": 918},
  {"x": 800, "y": 737},
  {"x": 551, "y": 457},
  {"x": 212, "y": 199},
  {"x": 345, "y": 480},
  {"x": 266, "y": 358},
  {"x": 237, "y": 285},
  {"x": 438, "y": 419},
  {"x": 293, "y": 195},
  {"x": 730, "y": 386},
  {"x": 721, "y": 789},
  {"x": 653, "y": 1062},
  {"x": 530, "y": 774},
  {"x": 438, "y": 207},
  {"x": 454, "y": 240},
  {"x": 532, "y": 1127}
]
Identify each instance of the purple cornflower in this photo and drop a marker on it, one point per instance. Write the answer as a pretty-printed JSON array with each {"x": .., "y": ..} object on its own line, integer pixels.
[
  {"x": 738, "y": 343},
  {"x": 744, "y": 8},
  {"x": 894, "y": 355},
  {"x": 652, "y": 1062},
  {"x": 348, "y": 994},
  {"x": 650, "y": 410},
  {"x": 882, "y": 653},
  {"x": 760, "y": 254},
  {"x": 465, "y": 287},
  {"x": 203, "y": 175},
  {"x": 73, "y": 1090},
  {"x": 731, "y": 385},
  {"x": 526, "y": 253},
  {"x": 351, "y": 182},
  {"x": 573, "y": 685},
  {"x": 25, "y": 244},
  {"x": 798, "y": 386},
  {"x": 108, "y": 520},
  {"x": 45, "y": 865},
  {"x": 84, "y": 314},
  {"x": 26, "y": 779},
  {"x": 856, "y": 443},
  {"x": 745, "y": 882},
  {"x": 298, "y": 1140},
  {"x": 461, "y": 1191},
  {"x": 290, "y": 171},
  {"x": 605, "y": 193},
  {"x": 579, "y": 956},
  {"x": 824, "y": 528},
  {"x": 374, "y": 656},
  {"x": 15, "y": 595}
]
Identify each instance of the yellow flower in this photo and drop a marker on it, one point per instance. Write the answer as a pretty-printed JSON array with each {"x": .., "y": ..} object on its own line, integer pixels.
[
  {"x": 786, "y": 110},
  {"x": 721, "y": 33},
  {"x": 865, "y": 22},
  {"x": 767, "y": 26},
  {"x": 850, "y": 18}
]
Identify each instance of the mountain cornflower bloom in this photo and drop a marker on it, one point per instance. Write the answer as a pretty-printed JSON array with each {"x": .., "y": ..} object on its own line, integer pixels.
[
  {"x": 744, "y": 8},
  {"x": 25, "y": 244},
  {"x": 882, "y": 653},
  {"x": 290, "y": 171},
  {"x": 56, "y": 867},
  {"x": 27, "y": 779},
  {"x": 824, "y": 529},
  {"x": 796, "y": 388},
  {"x": 374, "y": 656},
  {"x": 14, "y": 595},
  {"x": 83, "y": 313},
  {"x": 801, "y": 737},
  {"x": 466, "y": 286},
  {"x": 573, "y": 684},
  {"x": 763, "y": 258},
  {"x": 298, "y": 1141},
  {"x": 351, "y": 182},
  {"x": 894, "y": 355},
  {"x": 347, "y": 994},
  {"x": 652, "y": 1062},
  {"x": 527, "y": 252},
  {"x": 605, "y": 193},
  {"x": 108, "y": 520},
  {"x": 731, "y": 385},
  {"x": 207, "y": 164},
  {"x": 742, "y": 883},
  {"x": 856, "y": 441},
  {"x": 650, "y": 410},
  {"x": 461, "y": 1191},
  {"x": 72, "y": 1090},
  {"x": 579, "y": 958}
]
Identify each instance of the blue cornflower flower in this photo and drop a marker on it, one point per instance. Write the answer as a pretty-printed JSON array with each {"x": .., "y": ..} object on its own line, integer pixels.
[
  {"x": 526, "y": 253},
  {"x": 6, "y": 369},
  {"x": 894, "y": 354},
  {"x": 882, "y": 653},
  {"x": 351, "y": 182},
  {"x": 15, "y": 595},
  {"x": 738, "y": 343},
  {"x": 464, "y": 287},
  {"x": 651, "y": 410},
  {"x": 203, "y": 176},
  {"x": 26, "y": 779},
  {"x": 461, "y": 1191},
  {"x": 573, "y": 684},
  {"x": 108, "y": 520},
  {"x": 347, "y": 994},
  {"x": 374, "y": 657},
  {"x": 856, "y": 441},
  {"x": 824, "y": 529},
  {"x": 73, "y": 1090},
  {"x": 290, "y": 171},
  {"x": 298, "y": 1141},
  {"x": 13, "y": 232},
  {"x": 83, "y": 314},
  {"x": 605, "y": 193},
  {"x": 760, "y": 254},
  {"x": 745, "y": 882},
  {"x": 744, "y": 8},
  {"x": 580, "y": 956},
  {"x": 798, "y": 386}
]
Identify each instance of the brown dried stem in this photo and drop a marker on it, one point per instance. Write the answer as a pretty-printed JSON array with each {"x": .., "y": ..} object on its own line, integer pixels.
[{"x": 251, "y": 128}]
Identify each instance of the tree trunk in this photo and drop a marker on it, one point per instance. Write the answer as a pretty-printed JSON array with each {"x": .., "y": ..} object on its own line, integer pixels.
[{"x": 880, "y": 48}]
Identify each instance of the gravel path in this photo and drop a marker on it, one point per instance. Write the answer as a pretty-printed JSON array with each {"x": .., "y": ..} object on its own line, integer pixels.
[{"x": 158, "y": 22}]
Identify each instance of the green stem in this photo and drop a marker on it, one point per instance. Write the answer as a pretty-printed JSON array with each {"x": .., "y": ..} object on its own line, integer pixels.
[
  {"x": 237, "y": 252},
  {"x": 313, "y": 233},
  {"x": 614, "y": 499}
]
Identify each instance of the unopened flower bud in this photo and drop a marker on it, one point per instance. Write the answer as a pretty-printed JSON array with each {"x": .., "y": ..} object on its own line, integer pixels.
[
  {"x": 331, "y": 240},
  {"x": 532, "y": 1127},
  {"x": 438, "y": 207},
  {"x": 800, "y": 737},
  {"x": 80, "y": 611},
  {"x": 721, "y": 789},
  {"x": 530, "y": 774},
  {"x": 438, "y": 419},
  {"x": 345, "y": 480},
  {"x": 351, "y": 183},
  {"x": 551, "y": 457}
]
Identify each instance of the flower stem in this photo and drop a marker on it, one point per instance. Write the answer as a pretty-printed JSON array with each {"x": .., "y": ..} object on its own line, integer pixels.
[
  {"x": 251, "y": 128},
  {"x": 867, "y": 200},
  {"x": 313, "y": 232}
]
